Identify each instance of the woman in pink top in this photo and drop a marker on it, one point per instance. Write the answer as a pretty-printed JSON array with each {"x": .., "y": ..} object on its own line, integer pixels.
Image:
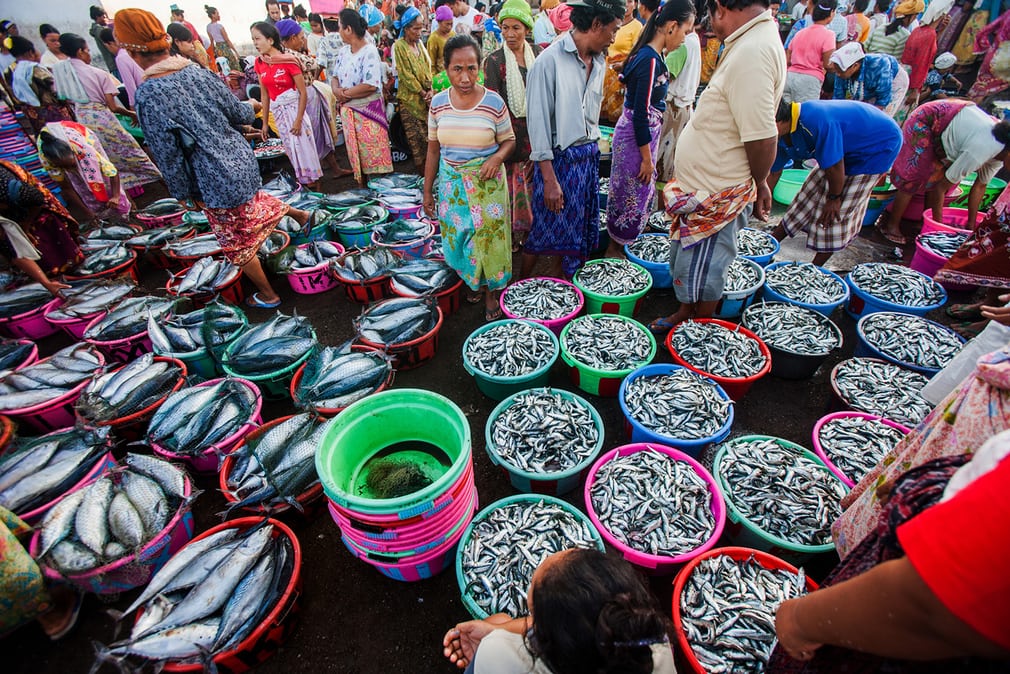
[{"x": 808, "y": 55}]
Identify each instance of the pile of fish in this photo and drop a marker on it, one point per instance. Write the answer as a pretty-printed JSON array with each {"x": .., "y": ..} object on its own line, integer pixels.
[
  {"x": 395, "y": 181},
  {"x": 401, "y": 198},
  {"x": 541, "y": 299},
  {"x": 422, "y": 277},
  {"x": 514, "y": 348},
  {"x": 613, "y": 277},
  {"x": 682, "y": 404},
  {"x": 653, "y": 503},
  {"x": 198, "y": 246},
  {"x": 334, "y": 378},
  {"x": 290, "y": 226},
  {"x": 128, "y": 318},
  {"x": 271, "y": 346},
  {"x": 274, "y": 468},
  {"x": 214, "y": 324},
  {"x": 358, "y": 218},
  {"x": 658, "y": 222},
  {"x": 104, "y": 259},
  {"x": 208, "y": 597},
  {"x": 13, "y": 352},
  {"x": 283, "y": 186},
  {"x": 727, "y": 610},
  {"x": 23, "y": 299},
  {"x": 205, "y": 276},
  {"x": 105, "y": 236},
  {"x": 804, "y": 282},
  {"x": 161, "y": 208},
  {"x": 311, "y": 255},
  {"x": 607, "y": 343},
  {"x": 50, "y": 378},
  {"x": 884, "y": 389},
  {"x": 269, "y": 148},
  {"x": 654, "y": 249},
  {"x": 113, "y": 517},
  {"x": 545, "y": 432},
  {"x": 402, "y": 231},
  {"x": 943, "y": 244},
  {"x": 780, "y": 491},
  {"x": 90, "y": 298},
  {"x": 364, "y": 265},
  {"x": 39, "y": 470},
  {"x": 791, "y": 328},
  {"x": 896, "y": 284},
  {"x": 855, "y": 445},
  {"x": 304, "y": 200},
  {"x": 742, "y": 274},
  {"x": 154, "y": 238},
  {"x": 911, "y": 339},
  {"x": 196, "y": 418},
  {"x": 716, "y": 350},
  {"x": 128, "y": 390},
  {"x": 347, "y": 199},
  {"x": 604, "y": 186},
  {"x": 397, "y": 320},
  {"x": 274, "y": 244},
  {"x": 754, "y": 243},
  {"x": 507, "y": 544}
]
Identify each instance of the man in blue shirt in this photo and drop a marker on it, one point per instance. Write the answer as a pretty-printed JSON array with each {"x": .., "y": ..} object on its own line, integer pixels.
[{"x": 854, "y": 144}]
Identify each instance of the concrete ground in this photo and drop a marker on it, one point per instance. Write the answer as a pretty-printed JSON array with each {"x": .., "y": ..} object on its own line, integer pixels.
[{"x": 352, "y": 619}]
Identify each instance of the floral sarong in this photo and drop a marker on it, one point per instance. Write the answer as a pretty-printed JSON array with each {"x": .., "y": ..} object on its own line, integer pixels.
[
  {"x": 366, "y": 137},
  {"x": 135, "y": 167},
  {"x": 630, "y": 201},
  {"x": 243, "y": 229},
  {"x": 301, "y": 149}
]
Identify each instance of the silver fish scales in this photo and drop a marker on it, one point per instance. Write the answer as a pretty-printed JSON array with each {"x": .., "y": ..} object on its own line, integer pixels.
[
  {"x": 543, "y": 432},
  {"x": 896, "y": 284},
  {"x": 607, "y": 343},
  {"x": 655, "y": 249},
  {"x": 508, "y": 543},
  {"x": 658, "y": 222},
  {"x": 754, "y": 243},
  {"x": 541, "y": 299},
  {"x": 741, "y": 275},
  {"x": 855, "y": 444},
  {"x": 943, "y": 244},
  {"x": 682, "y": 404},
  {"x": 717, "y": 350},
  {"x": 205, "y": 244},
  {"x": 103, "y": 259},
  {"x": 782, "y": 492},
  {"x": 911, "y": 339},
  {"x": 884, "y": 389},
  {"x": 728, "y": 612},
  {"x": 653, "y": 503},
  {"x": 788, "y": 327},
  {"x": 804, "y": 282},
  {"x": 604, "y": 186},
  {"x": 613, "y": 277},
  {"x": 511, "y": 349}
]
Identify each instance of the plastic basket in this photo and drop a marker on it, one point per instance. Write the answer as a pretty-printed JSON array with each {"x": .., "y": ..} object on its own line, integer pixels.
[
  {"x": 604, "y": 383},
  {"x": 499, "y": 388}
]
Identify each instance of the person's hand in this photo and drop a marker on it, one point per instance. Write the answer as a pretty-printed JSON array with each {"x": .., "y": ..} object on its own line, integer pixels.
[
  {"x": 998, "y": 314},
  {"x": 296, "y": 129},
  {"x": 554, "y": 198},
  {"x": 790, "y": 635},
  {"x": 461, "y": 642},
  {"x": 428, "y": 95},
  {"x": 132, "y": 115},
  {"x": 763, "y": 205},
  {"x": 264, "y": 132},
  {"x": 489, "y": 169},
  {"x": 912, "y": 98},
  {"x": 55, "y": 287},
  {"x": 645, "y": 171},
  {"x": 429, "y": 204},
  {"x": 829, "y": 212}
]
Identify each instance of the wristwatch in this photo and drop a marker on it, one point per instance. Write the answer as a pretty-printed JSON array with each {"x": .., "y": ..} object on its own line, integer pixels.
[{"x": 834, "y": 197}]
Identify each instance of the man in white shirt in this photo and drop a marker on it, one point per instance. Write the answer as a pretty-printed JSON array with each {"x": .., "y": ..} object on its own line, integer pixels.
[
  {"x": 463, "y": 17},
  {"x": 679, "y": 105}
]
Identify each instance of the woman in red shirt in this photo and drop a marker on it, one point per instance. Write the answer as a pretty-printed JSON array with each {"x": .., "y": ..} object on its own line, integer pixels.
[{"x": 283, "y": 89}]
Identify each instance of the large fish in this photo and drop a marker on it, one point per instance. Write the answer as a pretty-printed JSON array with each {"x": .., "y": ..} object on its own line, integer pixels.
[
  {"x": 397, "y": 320},
  {"x": 90, "y": 298},
  {"x": 127, "y": 390},
  {"x": 335, "y": 378},
  {"x": 128, "y": 318},
  {"x": 23, "y": 299},
  {"x": 195, "y": 418},
  {"x": 50, "y": 378},
  {"x": 270, "y": 346}
]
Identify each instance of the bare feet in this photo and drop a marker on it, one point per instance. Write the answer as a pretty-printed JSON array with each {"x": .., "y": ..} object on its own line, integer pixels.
[
  {"x": 62, "y": 616},
  {"x": 615, "y": 250}
]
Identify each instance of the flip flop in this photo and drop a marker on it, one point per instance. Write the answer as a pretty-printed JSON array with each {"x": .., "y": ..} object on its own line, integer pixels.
[
  {"x": 661, "y": 326},
  {"x": 75, "y": 613},
  {"x": 474, "y": 297},
  {"x": 255, "y": 302},
  {"x": 897, "y": 241},
  {"x": 969, "y": 329},
  {"x": 492, "y": 314},
  {"x": 964, "y": 312}
]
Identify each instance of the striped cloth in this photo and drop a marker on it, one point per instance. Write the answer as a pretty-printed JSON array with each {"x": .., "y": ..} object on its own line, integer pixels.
[
  {"x": 466, "y": 134},
  {"x": 806, "y": 209}
]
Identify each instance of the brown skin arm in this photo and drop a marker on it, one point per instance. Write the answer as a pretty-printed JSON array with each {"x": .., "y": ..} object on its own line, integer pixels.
[
  {"x": 461, "y": 642},
  {"x": 491, "y": 165},
  {"x": 117, "y": 108},
  {"x": 554, "y": 198},
  {"x": 760, "y": 157},
  {"x": 888, "y": 611},
  {"x": 975, "y": 196},
  {"x": 430, "y": 171},
  {"x": 836, "y": 183},
  {"x": 938, "y": 193}
]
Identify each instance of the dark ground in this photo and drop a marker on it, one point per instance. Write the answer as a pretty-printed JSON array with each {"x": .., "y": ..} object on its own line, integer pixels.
[{"x": 354, "y": 620}]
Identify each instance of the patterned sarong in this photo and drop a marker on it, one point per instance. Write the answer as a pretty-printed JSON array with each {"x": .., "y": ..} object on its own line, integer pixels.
[
  {"x": 366, "y": 137},
  {"x": 301, "y": 149},
  {"x": 630, "y": 201},
  {"x": 243, "y": 229},
  {"x": 803, "y": 213}
]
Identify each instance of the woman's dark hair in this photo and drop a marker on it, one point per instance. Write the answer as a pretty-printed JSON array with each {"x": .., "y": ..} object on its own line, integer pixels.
[
  {"x": 47, "y": 29},
  {"x": 179, "y": 32},
  {"x": 1000, "y": 131},
  {"x": 351, "y": 19},
  {"x": 20, "y": 46},
  {"x": 271, "y": 2},
  {"x": 898, "y": 23},
  {"x": 457, "y": 42},
  {"x": 882, "y": 6},
  {"x": 315, "y": 18},
  {"x": 97, "y": 12},
  {"x": 331, "y": 25},
  {"x": 591, "y": 613},
  {"x": 107, "y": 36},
  {"x": 582, "y": 18},
  {"x": 54, "y": 149},
  {"x": 860, "y": 6},
  {"x": 651, "y": 5},
  {"x": 268, "y": 31},
  {"x": 71, "y": 43},
  {"x": 674, "y": 10},
  {"x": 299, "y": 11},
  {"x": 210, "y": 10},
  {"x": 823, "y": 9},
  {"x": 401, "y": 10},
  {"x": 784, "y": 112}
]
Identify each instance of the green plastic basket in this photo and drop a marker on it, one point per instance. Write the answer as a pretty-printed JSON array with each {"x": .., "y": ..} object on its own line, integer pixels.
[
  {"x": 992, "y": 192},
  {"x": 625, "y": 305},
  {"x": 789, "y": 185},
  {"x": 274, "y": 385},
  {"x": 597, "y": 382}
]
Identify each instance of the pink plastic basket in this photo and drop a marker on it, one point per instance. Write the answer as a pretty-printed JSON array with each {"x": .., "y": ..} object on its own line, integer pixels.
[
  {"x": 555, "y": 325},
  {"x": 76, "y": 326},
  {"x": 823, "y": 456},
  {"x": 955, "y": 220},
  {"x": 315, "y": 279},
  {"x": 31, "y": 324},
  {"x": 57, "y": 413},
  {"x": 121, "y": 350}
]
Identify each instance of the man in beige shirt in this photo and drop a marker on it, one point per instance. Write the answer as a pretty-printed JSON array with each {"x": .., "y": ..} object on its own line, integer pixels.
[{"x": 724, "y": 156}]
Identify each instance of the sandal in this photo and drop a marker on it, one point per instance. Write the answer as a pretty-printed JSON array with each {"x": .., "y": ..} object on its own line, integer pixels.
[
  {"x": 58, "y": 632},
  {"x": 964, "y": 312},
  {"x": 492, "y": 313},
  {"x": 255, "y": 302},
  {"x": 969, "y": 329},
  {"x": 898, "y": 240},
  {"x": 661, "y": 326}
]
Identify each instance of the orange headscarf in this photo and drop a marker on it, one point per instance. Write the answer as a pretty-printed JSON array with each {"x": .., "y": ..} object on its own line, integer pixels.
[{"x": 139, "y": 30}]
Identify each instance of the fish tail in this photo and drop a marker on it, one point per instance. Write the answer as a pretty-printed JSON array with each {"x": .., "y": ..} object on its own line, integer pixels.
[{"x": 105, "y": 656}]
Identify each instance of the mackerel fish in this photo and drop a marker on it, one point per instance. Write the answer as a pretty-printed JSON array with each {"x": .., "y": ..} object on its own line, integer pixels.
[
  {"x": 90, "y": 298},
  {"x": 402, "y": 231},
  {"x": 311, "y": 255},
  {"x": 155, "y": 238},
  {"x": 23, "y": 299},
  {"x": 162, "y": 207},
  {"x": 127, "y": 390},
  {"x": 198, "y": 417},
  {"x": 804, "y": 282},
  {"x": 205, "y": 276},
  {"x": 282, "y": 187},
  {"x": 365, "y": 265},
  {"x": 128, "y": 318},
  {"x": 717, "y": 350},
  {"x": 13, "y": 352},
  {"x": 754, "y": 242},
  {"x": 50, "y": 378},
  {"x": 358, "y": 217},
  {"x": 103, "y": 259},
  {"x": 855, "y": 444},
  {"x": 105, "y": 236},
  {"x": 791, "y": 328},
  {"x": 653, "y": 503},
  {"x": 742, "y": 274},
  {"x": 728, "y": 609},
  {"x": 508, "y": 543},
  {"x": 682, "y": 404},
  {"x": 884, "y": 389},
  {"x": 896, "y": 284},
  {"x": 607, "y": 343},
  {"x": 543, "y": 431},
  {"x": 397, "y": 320},
  {"x": 943, "y": 244},
  {"x": 215, "y": 324},
  {"x": 400, "y": 197},
  {"x": 273, "y": 244},
  {"x": 271, "y": 346},
  {"x": 613, "y": 277},
  {"x": 334, "y": 378},
  {"x": 396, "y": 181},
  {"x": 422, "y": 277},
  {"x": 513, "y": 348},
  {"x": 541, "y": 299},
  {"x": 780, "y": 491},
  {"x": 651, "y": 248},
  {"x": 203, "y": 245},
  {"x": 911, "y": 339},
  {"x": 347, "y": 199}
]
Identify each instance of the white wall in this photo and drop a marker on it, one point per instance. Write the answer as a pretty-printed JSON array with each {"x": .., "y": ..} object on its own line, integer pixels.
[{"x": 69, "y": 16}]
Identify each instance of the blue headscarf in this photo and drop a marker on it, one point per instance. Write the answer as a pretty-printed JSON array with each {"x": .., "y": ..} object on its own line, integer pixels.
[
  {"x": 371, "y": 15},
  {"x": 411, "y": 15}
]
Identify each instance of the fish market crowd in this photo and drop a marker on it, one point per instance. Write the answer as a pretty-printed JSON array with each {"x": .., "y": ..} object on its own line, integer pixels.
[{"x": 175, "y": 422}]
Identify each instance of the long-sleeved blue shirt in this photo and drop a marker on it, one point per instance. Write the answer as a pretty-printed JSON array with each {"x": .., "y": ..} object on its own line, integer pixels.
[{"x": 646, "y": 78}]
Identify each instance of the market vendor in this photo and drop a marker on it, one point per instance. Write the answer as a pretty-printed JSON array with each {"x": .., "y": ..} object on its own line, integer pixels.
[
  {"x": 944, "y": 141},
  {"x": 877, "y": 79},
  {"x": 854, "y": 145}
]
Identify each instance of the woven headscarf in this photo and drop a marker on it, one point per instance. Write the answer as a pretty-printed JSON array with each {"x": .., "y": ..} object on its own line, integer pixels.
[
  {"x": 139, "y": 30},
  {"x": 909, "y": 8},
  {"x": 518, "y": 10}
]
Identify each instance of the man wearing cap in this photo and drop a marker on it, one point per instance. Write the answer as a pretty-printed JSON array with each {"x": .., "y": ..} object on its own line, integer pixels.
[
  {"x": 940, "y": 83},
  {"x": 564, "y": 90},
  {"x": 724, "y": 156}
]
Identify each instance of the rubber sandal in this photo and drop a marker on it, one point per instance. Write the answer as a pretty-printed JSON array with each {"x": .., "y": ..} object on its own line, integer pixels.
[
  {"x": 492, "y": 314},
  {"x": 255, "y": 302},
  {"x": 969, "y": 329},
  {"x": 964, "y": 312},
  {"x": 75, "y": 613},
  {"x": 661, "y": 326},
  {"x": 474, "y": 297},
  {"x": 897, "y": 241}
]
